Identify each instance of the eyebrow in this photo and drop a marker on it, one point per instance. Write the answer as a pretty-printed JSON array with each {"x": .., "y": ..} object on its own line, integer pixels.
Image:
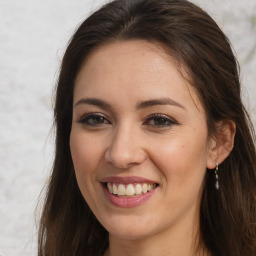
[
  {"x": 140, "y": 105},
  {"x": 93, "y": 101},
  {"x": 155, "y": 102}
]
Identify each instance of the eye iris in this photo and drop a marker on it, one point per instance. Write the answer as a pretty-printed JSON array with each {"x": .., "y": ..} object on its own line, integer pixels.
[
  {"x": 97, "y": 120},
  {"x": 160, "y": 121}
]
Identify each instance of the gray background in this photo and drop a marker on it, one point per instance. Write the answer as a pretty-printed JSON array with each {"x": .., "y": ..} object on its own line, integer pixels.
[{"x": 33, "y": 37}]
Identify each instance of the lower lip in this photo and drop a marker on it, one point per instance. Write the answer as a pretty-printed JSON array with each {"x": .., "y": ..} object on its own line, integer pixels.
[{"x": 128, "y": 202}]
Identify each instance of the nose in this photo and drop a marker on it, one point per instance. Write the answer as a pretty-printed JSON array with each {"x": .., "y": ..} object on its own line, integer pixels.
[{"x": 125, "y": 149}]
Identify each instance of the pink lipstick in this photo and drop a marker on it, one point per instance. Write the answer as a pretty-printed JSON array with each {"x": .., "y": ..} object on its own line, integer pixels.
[{"x": 128, "y": 191}]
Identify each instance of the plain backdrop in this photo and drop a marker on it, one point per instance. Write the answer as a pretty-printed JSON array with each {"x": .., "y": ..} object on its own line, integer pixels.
[{"x": 33, "y": 37}]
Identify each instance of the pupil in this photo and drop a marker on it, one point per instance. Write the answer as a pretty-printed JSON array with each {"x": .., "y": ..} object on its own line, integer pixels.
[
  {"x": 98, "y": 119},
  {"x": 160, "y": 121}
]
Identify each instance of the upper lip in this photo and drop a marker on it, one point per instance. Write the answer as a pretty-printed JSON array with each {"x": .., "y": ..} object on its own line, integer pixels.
[{"x": 127, "y": 180}]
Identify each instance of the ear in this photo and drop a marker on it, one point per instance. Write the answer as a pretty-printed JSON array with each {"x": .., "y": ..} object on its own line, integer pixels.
[{"x": 222, "y": 143}]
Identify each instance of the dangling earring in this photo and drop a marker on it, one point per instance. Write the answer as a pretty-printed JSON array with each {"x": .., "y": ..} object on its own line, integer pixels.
[{"x": 217, "y": 186}]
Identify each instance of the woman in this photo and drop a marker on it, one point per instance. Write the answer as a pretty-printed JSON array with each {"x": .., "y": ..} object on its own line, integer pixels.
[{"x": 155, "y": 152}]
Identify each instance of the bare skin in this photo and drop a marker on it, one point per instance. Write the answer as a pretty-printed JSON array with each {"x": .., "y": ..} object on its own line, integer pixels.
[{"x": 135, "y": 115}]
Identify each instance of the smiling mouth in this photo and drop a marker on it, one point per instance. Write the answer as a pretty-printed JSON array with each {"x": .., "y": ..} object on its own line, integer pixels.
[{"x": 129, "y": 190}]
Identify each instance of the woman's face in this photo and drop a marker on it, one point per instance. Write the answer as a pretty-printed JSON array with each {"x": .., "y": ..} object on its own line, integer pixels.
[{"x": 139, "y": 141}]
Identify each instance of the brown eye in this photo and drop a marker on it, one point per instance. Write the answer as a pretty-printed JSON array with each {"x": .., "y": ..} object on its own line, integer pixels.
[
  {"x": 94, "y": 120},
  {"x": 159, "y": 120}
]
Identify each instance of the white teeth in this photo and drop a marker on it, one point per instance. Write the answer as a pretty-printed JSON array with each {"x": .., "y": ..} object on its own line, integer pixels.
[
  {"x": 138, "y": 189},
  {"x": 121, "y": 190},
  {"x": 110, "y": 188},
  {"x": 145, "y": 188},
  {"x": 114, "y": 189},
  {"x": 129, "y": 189}
]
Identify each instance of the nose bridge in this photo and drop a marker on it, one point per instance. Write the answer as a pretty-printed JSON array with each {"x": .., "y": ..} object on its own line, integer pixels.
[{"x": 125, "y": 148}]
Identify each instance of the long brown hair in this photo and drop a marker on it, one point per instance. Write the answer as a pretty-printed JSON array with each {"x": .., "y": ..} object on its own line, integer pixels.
[{"x": 227, "y": 216}]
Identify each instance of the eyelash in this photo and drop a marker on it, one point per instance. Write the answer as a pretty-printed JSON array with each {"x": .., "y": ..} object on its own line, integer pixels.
[
  {"x": 98, "y": 119},
  {"x": 89, "y": 119},
  {"x": 162, "y": 118}
]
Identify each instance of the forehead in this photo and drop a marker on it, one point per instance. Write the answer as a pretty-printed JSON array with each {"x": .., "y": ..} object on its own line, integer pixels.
[
  {"x": 137, "y": 68},
  {"x": 132, "y": 55}
]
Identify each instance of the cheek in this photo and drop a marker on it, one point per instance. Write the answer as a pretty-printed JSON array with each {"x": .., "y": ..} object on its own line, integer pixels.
[
  {"x": 182, "y": 161},
  {"x": 85, "y": 153}
]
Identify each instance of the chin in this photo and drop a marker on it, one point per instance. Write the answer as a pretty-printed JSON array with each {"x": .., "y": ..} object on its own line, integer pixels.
[
  {"x": 129, "y": 234},
  {"x": 128, "y": 229}
]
